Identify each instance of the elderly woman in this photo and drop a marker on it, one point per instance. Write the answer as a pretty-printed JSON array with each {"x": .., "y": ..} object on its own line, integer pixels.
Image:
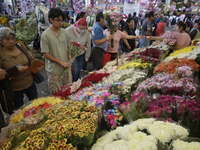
[
  {"x": 22, "y": 83},
  {"x": 78, "y": 33}
]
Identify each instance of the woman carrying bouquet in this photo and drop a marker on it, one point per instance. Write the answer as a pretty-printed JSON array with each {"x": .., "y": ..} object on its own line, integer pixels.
[
  {"x": 117, "y": 36},
  {"x": 79, "y": 34},
  {"x": 10, "y": 56},
  {"x": 183, "y": 40}
]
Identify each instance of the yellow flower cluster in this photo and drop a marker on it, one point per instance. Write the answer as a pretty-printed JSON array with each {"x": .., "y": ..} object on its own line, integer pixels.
[
  {"x": 3, "y": 20},
  {"x": 64, "y": 121},
  {"x": 133, "y": 64},
  {"x": 35, "y": 103},
  {"x": 182, "y": 51}
]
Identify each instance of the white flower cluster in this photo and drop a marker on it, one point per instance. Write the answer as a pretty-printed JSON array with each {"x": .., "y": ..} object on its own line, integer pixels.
[
  {"x": 181, "y": 145},
  {"x": 130, "y": 137},
  {"x": 127, "y": 77}
]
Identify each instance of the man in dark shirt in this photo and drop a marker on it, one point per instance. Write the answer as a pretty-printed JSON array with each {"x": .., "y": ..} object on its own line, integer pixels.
[
  {"x": 195, "y": 33},
  {"x": 67, "y": 16}
]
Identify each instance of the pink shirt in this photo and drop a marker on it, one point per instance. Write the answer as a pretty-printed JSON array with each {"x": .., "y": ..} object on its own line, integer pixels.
[
  {"x": 117, "y": 36},
  {"x": 184, "y": 40}
]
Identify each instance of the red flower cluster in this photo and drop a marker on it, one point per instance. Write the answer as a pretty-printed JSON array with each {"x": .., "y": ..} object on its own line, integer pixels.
[
  {"x": 151, "y": 54},
  {"x": 78, "y": 45},
  {"x": 36, "y": 110},
  {"x": 95, "y": 77},
  {"x": 65, "y": 91}
]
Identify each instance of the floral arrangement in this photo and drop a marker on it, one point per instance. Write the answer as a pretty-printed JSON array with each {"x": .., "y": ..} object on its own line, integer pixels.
[
  {"x": 90, "y": 10},
  {"x": 95, "y": 77},
  {"x": 62, "y": 127},
  {"x": 112, "y": 17},
  {"x": 182, "y": 53},
  {"x": 170, "y": 37},
  {"x": 66, "y": 91},
  {"x": 132, "y": 136},
  {"x": 35, "y": 107},
  {"x": 76, "y": 49},
  {"x": 98, "y": 95},
  {"x": 127, "y": 77},
  {"x": 134, "y": 64},
  {"x": 185, "y": 71},
  {"x": 160, "y": 82},
  {"x": 154, "y": 55},
  {"x": 170, "y": 66},
  {"x": 180, "y": 144},
  {"x": 4, "y": 21}
]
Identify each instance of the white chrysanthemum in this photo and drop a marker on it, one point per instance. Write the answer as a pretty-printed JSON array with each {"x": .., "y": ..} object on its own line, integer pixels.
[
  {"x": 180, "y": 131},
  {"x": 168, "y": 129},
  {"x": 96, "y": 147},
  {"x": 127, "y": 132},
  {"x": 109, "y": 146},
  {"x": 139, "y": 136},
  {"x": 179, "y": 145},
  {"x": 104, "y": 142},
  {"x": 118, "y": 130},
  {"x": 193, "y": 146},
  {"x": 119, "y": 143},
  {"x": 112, "y": 135},
  {"x": 143, "y": 123},
  {"x": 162, "y": 136},
  {"x": 151, "y": 139},
  {"x": 147, "y": 145},
  {"x": 134, "y": 145}
]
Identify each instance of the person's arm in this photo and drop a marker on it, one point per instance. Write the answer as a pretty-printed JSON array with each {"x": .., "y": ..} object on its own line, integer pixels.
[
  {"x": 149, "y": 26},
  {"x": 157, "y": 38},
  {"x": 3, "y": 74},
  {"x": 193, "y": 34},
  {"x": 98, "y": 37},
  {"x": 88, "y": 49},
  {"x": 45, "y": 50},
  {"x": 126, "y": 42},
  {"x": 176, "y": 47}
]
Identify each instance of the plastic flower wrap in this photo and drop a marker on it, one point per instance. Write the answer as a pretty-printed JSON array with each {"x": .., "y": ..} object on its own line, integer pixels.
[
  {"x": 76, "y": 49},
  {"x": 112, "y": 17},
  {"x": 170, "y": 37},
  {"x": 170, "y": 66},
  {"x": 35, "y": 107},
  {"x": 61, "y": 127},
  {"x": 131, "y": 137}
]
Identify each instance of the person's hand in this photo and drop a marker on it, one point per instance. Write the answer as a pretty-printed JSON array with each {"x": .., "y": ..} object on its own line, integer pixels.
[
  {"x": 140, "y": 37},
  {"x": 40, "y": 68},
  {"x": 86, "y": 60},
  {"x": 111, "y": 37},
  {"x": 65, "y": 64},
  {"x": 23, "y": 69},
  {"x": 70, "y": 57},
  {"x": 129, "y": 47},
  {"x": 3, "y": 74},
  {"x": 149, "y": 38}
]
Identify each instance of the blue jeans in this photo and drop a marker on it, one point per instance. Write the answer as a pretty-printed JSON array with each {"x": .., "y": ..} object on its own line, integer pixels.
[
  {"x": 31, "y": 93},
  {"x": 77, "y": 65},
  {"x": 144, "y": 42}
]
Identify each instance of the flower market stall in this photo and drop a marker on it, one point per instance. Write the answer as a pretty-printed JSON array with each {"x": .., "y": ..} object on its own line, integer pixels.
[{"x": 146, "y": 99}]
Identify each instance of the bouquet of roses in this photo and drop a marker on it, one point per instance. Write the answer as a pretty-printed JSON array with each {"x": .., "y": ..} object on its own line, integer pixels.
[
  {"x": 112, "y": 17},
  {"x": 76, "y": 49},
  {"x": 170, "y": 37}
]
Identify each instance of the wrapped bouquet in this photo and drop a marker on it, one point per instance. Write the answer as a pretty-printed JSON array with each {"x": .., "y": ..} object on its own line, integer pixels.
[
  {"x": 112, "y": 17},
  {"x": 170, "y": 37},
  {"x": 76, "y": 50}
]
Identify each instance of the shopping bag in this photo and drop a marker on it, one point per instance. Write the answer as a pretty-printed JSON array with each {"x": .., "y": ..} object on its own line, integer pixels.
[{"x": 106, "y": 58}]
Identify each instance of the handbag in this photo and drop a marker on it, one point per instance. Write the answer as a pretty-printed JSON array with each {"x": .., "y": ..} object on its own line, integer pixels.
[
  {"x": 106, "y": 58},
  {"x": 6, "y": 96},
  {"x": 38, "y": 78}
]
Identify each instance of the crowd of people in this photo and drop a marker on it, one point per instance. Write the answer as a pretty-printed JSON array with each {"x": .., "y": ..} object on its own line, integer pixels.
[{"x": 55, "y": 43}]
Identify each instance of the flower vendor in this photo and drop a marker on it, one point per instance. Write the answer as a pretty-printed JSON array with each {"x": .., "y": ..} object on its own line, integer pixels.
[
  {"x": 79, "y": 34},
  {"x": 100, "y": 41},
  {"x": 183, "y": 40},
  {"x": 15, "y": 62},
  {"x": 55, "y": 47}
]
